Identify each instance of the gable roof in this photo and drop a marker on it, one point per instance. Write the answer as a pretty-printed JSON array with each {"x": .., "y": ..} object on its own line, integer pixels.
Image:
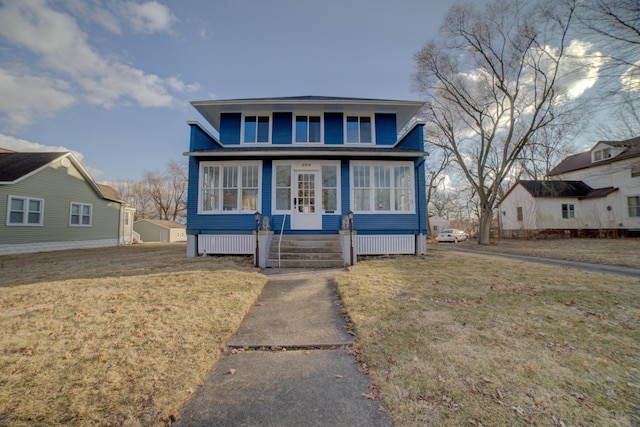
[
  {"x": 211, "y": 110},
  {"x": 15, "y": 167},
  {"x": 163, "y": 223},
  {"x": 575, "y": 189},
  {"x": 631, "y": 149}
]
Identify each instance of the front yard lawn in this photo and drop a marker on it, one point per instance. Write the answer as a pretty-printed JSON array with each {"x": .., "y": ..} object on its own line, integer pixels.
[{"x": 458, "y": 339}]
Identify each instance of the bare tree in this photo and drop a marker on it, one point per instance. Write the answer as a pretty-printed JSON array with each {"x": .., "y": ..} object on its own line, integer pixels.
[
  {"x": 168, "y": 190},
  {"x": 136, "y": 195},
  {"x": 615, "y": 27},
  {"x": 493, "y": 81},
  {"x": 436, "y": 164}
]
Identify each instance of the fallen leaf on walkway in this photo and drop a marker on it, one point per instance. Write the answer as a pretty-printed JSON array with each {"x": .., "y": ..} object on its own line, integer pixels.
[{"x": 231, "y": 371}]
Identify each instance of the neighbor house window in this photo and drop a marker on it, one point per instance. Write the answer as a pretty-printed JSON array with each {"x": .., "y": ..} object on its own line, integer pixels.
[
  {"x": 80, "y": 214},
  {"x": 256, "y": 129},
  {"x": 229, "y": 187},
  {"x": 382, "y": 188},
  {"x": 634, "y": 206},
  {"x": 519, "y": 213},
  {"x": 308, "y": 129},
  {"x": 568, "y": 210},
  {"x": 359, "y": 129},
  {"x": 25, "y": 211},
  {"x": 635, "y": 172}
]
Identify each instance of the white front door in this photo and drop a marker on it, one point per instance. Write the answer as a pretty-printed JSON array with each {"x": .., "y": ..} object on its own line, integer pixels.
[{"x": 307, "y": 212}]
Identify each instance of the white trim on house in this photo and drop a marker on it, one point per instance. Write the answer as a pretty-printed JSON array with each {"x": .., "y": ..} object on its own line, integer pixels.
[
  {"x": 271, "y": 153},
  {"x": 392, "y": 187},
  {"x": 28, "y": 248},
  {"x": 220, "y": 188}
]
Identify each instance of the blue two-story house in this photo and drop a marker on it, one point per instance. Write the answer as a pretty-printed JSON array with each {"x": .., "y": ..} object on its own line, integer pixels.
[{"x": 305, "y": 166}]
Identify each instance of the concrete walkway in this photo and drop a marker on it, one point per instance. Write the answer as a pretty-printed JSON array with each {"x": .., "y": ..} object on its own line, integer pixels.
[{"x": 288, "y": 364}]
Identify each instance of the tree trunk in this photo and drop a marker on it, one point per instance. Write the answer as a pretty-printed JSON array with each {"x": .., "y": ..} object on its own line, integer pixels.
[{"x": 485, "y": 225}]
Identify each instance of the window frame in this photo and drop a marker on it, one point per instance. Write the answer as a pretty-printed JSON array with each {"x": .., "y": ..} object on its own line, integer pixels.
[
  {"x": 294, "y": 136},
  {"x": 568, "y": 210},
  {"x": 519, "y": 213},
  {"x": 637, "y": 206},
  {"x": 372, "y": 119},
  {"x": 393, "y": 187},
  {"x": 220, "y": 188},
  {"x": 25, "y": 214},
  {"x": 257, "y": 115},
  {"x": 81, "y": 215}
]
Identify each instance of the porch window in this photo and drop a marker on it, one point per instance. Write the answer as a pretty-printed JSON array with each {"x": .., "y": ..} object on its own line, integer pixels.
[
  {"x": 382, "y": 188},
  {"x": 80, "y": 214},
  {"x": 359, "y": 129},
  {"x": 329, "y": 188},
  {"x": 308, "y": 129},
  {"x": 283, "y": 187},
  {"x": 25, "y": 211},
  {"x": 634, "y": 206},
  {"x": 229, "y": 187},
  {"x": 568, "y": 210},
  {"x": 256, "y": 129}
]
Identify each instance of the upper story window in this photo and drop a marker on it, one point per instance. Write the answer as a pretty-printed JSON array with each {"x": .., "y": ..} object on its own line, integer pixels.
[
  {"x": 603, "y": 154},
  {"x": 256, "y": 129},
  {"x": 80, "y": 214},
  {"x": 359, "y": 129},
  {"x": 25, "y": 211},
  {"x": 308, "y": 129}
]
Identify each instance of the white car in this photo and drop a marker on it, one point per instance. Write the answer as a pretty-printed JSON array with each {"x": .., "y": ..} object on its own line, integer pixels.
[{"x": 451, "y": 235}]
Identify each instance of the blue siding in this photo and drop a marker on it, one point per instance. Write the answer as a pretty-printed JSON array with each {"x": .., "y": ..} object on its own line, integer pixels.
[
  {"x": 333, "y": 128},
  {"x": 414, "y": 140},
  {"x": 421, "y": 195},
  {"x": 200, "y": 140},
  {"x": 267, "y": 173},
  {"x": 282, "y": 128},
  {"x": 221, "y": 224},
  {"x": 345, "y": 198},
  {"x": 386, "y": 132},
  {"x": 192, "y": 192},
  {"x": 385, "y": 224},
  {"x": 230, "y": 124}
]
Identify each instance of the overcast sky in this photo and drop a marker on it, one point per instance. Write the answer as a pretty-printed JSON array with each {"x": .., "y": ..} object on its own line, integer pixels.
[{"x": 112, "y": 80}]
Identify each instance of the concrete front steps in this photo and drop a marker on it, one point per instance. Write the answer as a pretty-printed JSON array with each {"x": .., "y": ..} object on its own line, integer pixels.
[{"x": 308, "y": 251}]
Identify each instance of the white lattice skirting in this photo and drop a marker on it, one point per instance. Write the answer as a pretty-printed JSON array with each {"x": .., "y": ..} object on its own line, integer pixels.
[
  {"x": 226, "y": 244},
  {"x": 385, "y": 245}
]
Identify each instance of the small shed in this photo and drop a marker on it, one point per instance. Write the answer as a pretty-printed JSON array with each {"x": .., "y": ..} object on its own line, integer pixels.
[
  {"x": 437, "y": 224},
  {"x": 157, "y": 230}
]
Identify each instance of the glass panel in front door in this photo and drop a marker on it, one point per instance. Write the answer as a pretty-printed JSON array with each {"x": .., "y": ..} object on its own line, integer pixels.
[{"x": 307, "y": 192}]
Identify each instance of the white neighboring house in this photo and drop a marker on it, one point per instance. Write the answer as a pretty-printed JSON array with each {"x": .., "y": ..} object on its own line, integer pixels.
[
  {"x": 592, "y": 193},
  {"x": 437, "y": 224}
]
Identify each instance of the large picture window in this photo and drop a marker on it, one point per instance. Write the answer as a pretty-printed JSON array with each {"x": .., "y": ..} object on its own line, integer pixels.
[
  {"x": 25, "y": 211},
  {"x": 80, "y": 214},
  {"x": 229, "y": 187},
  {"x": 382, "y": 187}
]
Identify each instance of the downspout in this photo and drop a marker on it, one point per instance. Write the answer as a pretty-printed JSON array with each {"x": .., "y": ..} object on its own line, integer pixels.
[{"x": 417, "y": 170}]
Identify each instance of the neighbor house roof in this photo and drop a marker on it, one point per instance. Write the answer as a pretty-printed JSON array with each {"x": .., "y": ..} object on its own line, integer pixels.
[
  {"x": 211, "y": 110},
  {"x": 15, "y": 167},
  {"x": 631, "y": 149},
  {"x": 577, "y": 189},
  {"x": 163, "y": 223}
]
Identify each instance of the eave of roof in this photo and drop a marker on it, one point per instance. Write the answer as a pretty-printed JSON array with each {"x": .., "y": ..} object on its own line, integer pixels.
[
  {"x": 212, "y": 109},
  {"x": 302, "y": 152}
]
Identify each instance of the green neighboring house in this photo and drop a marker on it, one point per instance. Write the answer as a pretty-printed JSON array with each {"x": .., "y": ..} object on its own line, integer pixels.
[
  {"x": 48, "y": 201},
  {"x": 158, "y": 230}
]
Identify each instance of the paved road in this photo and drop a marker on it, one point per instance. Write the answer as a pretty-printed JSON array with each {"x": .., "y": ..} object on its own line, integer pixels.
[{"x": 599, "y": 268}]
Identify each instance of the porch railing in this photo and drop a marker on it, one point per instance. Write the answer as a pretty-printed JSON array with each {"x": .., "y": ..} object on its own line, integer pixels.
[{"x": 284, "y": 221}]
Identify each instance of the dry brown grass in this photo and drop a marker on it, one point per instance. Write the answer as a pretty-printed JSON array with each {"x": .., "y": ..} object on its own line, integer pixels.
[
  {"x": 625, "y": 252},
  {"x": 117, "y": 336},
  {"x": 458, "y": 339}
]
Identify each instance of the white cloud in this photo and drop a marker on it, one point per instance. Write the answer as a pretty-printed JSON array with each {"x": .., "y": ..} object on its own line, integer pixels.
[
  {"x": 631, "y": 78},
  {"x": 66, "y": 53},
  {"x": 580, "y": 68},
  {"x": 26, "y": 97},
  {"x": 22, "y": 145},
  {"x": 149, "y": 17}
]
